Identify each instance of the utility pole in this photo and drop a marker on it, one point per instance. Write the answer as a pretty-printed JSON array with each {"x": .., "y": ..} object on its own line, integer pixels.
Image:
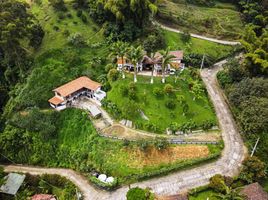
[
  {"x": 254, "y": 149},
  {"x": 202, "y": 64}
]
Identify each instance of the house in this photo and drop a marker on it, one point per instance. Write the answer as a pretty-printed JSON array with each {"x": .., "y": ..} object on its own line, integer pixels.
[
  {"x": 126, "y": 64},
  {"x": 254, "y": 191},
  {"x": 43, "y": 197},
  {"x": 66, "y": 94},
  {"x": 176, "y": 62},
  {"x": 148, "y": 63}
]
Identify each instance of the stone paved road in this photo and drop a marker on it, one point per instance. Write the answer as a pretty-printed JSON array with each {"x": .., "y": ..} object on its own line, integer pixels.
[
  {"x": 199, "y": 36},
  {"x": 229, "y": 163}
]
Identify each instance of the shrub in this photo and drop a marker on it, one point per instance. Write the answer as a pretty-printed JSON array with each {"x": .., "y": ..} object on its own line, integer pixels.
[
  {"x": 84, "y": 18},
  {"x": 253, "y": 169},
  {"x": 124, "y": 90},
  {"x": 217, "y": 183},
  {"x": 139, "y": 194},
  {"x": 58, "y": 5},
  {"x": 186, "y": 37},
  {"x": 223, "y": 78},
  {"x": 79, "y": 13},
  {"x": 132, "y": 95},
  {"x": 143, "y": 145},
  {"x": 170, "y": 104},
  {"x": 2, "y": 173},
  {"x": 206, "y": 125},
  {"x": 157, "y": 92},
  {"x": 76, "y": 40},
  {"x": 113, "y": 75},
  {"x": 168, "y": 89},
  {"x": 161, "y": 143}
]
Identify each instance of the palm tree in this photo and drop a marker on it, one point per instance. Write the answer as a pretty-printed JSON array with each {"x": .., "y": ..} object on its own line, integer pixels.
[
  {"x": 135, "y": 55},
  {"x": 166, "y": 59},
  {"x": 154, "y": 62},
  {"x": 119, "y": 50}
]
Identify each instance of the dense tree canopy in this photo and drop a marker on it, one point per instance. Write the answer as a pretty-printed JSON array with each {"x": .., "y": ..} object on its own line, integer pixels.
[{"x": 16, "y": 25}]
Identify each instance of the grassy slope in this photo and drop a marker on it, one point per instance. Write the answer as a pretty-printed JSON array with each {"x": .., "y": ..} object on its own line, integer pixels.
[
  {"x": 155, "y": 109},
  {"x": 86, "y": 148},
  {"x": 214, "y": 50},
  {"x": 228, "y": 20}
]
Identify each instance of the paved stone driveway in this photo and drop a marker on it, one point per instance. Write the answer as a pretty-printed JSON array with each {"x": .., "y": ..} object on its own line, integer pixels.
[{"x": 229, "y": 163}]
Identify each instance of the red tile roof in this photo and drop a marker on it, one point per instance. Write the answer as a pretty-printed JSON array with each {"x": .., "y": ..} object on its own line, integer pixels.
[
  {"x": 77, "y": 84},
  {"x": 177, "y": 54},
  {"x": 254, "y": 192},
  {"x": 55, "y": 100},
  {"x": 43, "y": 197}
]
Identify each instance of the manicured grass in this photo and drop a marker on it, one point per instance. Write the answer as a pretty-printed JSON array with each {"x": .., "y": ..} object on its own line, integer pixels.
[
  {"x": 211, "y": 49},
  {"x": 204, "y": 196},
  {"x": 222, "y": 20},
  {"x": 154, "y": 107}
]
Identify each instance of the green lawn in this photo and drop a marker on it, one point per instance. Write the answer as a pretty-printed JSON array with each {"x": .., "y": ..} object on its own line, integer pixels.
[
  {"x": 204, "y": 195},
  {"x": 222, "y": 20},
  {"x": 211, "y": 49},
  {"x": 154, "y": 107}
]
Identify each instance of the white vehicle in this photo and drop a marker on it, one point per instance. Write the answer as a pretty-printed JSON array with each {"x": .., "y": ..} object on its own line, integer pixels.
[{"x": 172, "y": 71}]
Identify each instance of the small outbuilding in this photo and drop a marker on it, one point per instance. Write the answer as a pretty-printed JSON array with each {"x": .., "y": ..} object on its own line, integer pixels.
[
  {"x": 254, "y": 191},
  {"x": 94, "y": 111},
  {"x": 12, "y": 183}
]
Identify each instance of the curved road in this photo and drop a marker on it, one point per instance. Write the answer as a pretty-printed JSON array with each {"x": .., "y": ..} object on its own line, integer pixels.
[
  {"x": 199, "y": 36},
  {"x": 229, "y": 163}
]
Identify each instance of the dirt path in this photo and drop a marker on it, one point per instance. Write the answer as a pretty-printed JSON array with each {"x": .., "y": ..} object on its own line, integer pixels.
[
  {"x": 199, "y": 36},
  {"x": 229, "y": 163}
]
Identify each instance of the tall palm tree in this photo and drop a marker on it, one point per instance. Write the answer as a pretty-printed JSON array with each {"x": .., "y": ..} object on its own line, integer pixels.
[
  {"x": 154, "y": 62},
  {"x": 119, "y": 50},
  {"x": 166, "y": 59},
  {"x": 135, "y": 55}
]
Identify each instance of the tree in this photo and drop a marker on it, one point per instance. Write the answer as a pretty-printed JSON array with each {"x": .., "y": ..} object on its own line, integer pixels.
[
  {"x": 135, "y": 10},
  {"x": 16, "y": 25},
  {"x": 119, "y": 50},
  {"x": 256, "y": 57},
  {"x": 113, "y": 75},
  {"x": 253, "y": 170},
  {"x": 217, "y": 183},
  {"x": 154, "y": 61},
  {"x": 197, "y": 90},
  {"x": 58, "y": 5},
  {"x": 185, "y": 107},
  {"x": 168, "y": 89},
  {"x": 135, "y": 55},
  {"x": 139, "y": 194},
  {"x": 166, "y": 60}
]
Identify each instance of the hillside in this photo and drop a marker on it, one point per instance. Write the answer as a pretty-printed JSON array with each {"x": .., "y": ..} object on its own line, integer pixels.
[{"x": 222, "y": 20}]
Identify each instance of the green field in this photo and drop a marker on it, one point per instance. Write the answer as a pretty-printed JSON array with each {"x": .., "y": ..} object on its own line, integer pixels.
[
  {"x": 222, "y": 20},
  {"x": 154, "y": 107},
  {"x": 198, "y": 46}
]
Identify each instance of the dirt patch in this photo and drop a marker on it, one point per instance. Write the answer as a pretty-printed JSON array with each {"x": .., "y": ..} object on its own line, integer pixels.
[
  {"x": 123, "y": 132},
  {"x": 153, "y": 156}
]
